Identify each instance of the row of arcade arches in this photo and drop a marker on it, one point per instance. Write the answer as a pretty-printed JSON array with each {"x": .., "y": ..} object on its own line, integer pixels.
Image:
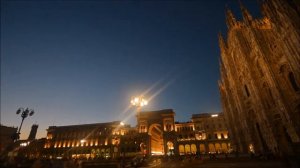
[{"x": 186, "y": 149}]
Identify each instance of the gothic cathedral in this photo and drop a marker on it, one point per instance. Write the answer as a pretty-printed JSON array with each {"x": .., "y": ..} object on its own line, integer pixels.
[{"x": 260, "y": 78}]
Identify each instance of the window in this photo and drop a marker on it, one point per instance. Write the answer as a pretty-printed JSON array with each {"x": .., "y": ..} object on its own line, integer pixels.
[
  {"x": 289, "y": 76},
  {"x": 168, "y": 127},
  {"x": 246, "y": 90},
  {"x": 293, "y": 82},
  {"x": 143, "y": 128}
]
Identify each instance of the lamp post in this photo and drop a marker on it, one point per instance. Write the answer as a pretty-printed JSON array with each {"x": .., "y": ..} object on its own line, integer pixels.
[
  {"x": 24, "y": 114},
  {"x": 138, "y": 102}
]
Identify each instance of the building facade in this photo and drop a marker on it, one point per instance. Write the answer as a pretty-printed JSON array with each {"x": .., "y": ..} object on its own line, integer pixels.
[
  {"x": 156, "y": 133},
  {"x": 159, "y": 134},
  {"x": 260, "y": 78},
  {"x": 205, "y": 133},
  {"x": 6, "y": 137},
  {"x": 87, "y": 141}
]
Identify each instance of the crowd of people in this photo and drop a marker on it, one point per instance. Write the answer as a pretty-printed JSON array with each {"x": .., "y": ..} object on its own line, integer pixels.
[
  {"x": 22, "y": 162},
  {"x": 138, "y": 161}
]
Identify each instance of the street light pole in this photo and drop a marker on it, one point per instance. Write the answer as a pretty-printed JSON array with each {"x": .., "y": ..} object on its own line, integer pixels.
[
  {"x": 24, "y": 114},
  {"x": 139, "y": 102}
]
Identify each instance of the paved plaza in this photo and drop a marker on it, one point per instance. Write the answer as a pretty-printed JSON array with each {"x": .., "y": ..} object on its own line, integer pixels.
[
  {"x": 229, "y": 163},
  {"x": 222, "y": 164},
  {"x": 203, "y": 162}
]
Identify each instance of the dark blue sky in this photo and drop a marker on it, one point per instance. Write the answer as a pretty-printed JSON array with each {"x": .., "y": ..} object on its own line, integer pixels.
[{"x": 77, "y": 62}]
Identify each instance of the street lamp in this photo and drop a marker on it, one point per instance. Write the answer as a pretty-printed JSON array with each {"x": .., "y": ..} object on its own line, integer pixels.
[
  {"x": 24, "y": 114},
  {"x": 139, "y": 102}
]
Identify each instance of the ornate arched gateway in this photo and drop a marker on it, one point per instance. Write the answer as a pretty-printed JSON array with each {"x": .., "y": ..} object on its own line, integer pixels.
[
  {"x": 156, "y": 139},
  {"x": 157, "y": 130}
]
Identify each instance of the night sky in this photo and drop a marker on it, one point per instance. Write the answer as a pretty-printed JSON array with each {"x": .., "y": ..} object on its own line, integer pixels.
[{"x": 79, "y": 62}]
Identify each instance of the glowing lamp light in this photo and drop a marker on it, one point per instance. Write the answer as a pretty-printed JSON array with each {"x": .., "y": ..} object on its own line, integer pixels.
[
  {"x": 82, "y": 141},
  {"x": 214, "y": 115},
  {"x": 122, "y": 124},
  {"x": 139, "y": 101},
  {"x": 136, "y": 99},
  {"x": 24, "y": 144},
  {"x": 157, "y": 153}
]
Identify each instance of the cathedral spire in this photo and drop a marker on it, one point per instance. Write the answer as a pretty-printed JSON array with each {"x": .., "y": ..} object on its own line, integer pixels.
[
  {"x": 230, "y": 19},
  {"x": 222, "y": 43},
  {"x": 246, "y": 14}
]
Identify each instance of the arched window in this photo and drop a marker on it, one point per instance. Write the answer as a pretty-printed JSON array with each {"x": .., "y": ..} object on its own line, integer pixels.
[
  {"x": 181, "y": 149},
  {"x": 202, "y": 148},
  {"x": 170, "y": 145},
  {"x": 218, "y": 147},
  {"x": 211, "y": 148},
  {"x": 289, "y": 76},
  {"x": 169, "y": 127},
  {"x": 193, "y": 149},
  {"x": 246, "y": 90},
  {"x": 187, "y": 149},
  {"x": 224, "y": 147},
  {"x": 293, "y": 81}
]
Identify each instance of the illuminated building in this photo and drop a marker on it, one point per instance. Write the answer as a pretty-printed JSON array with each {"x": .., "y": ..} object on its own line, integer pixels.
[
  {"x": 157, "y": 129},
  {"x": 260, "y": 79},
  {"x": 206, "y": 133},
  {"x": 161, "y": 135},
  {"x": 156, "y": 133},
  {"x": 87, "y": 140},
  {"x": 31, "y": 148}
]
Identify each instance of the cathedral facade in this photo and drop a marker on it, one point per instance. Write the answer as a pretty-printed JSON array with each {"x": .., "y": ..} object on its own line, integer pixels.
[{"x": 260, "y": 78}]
